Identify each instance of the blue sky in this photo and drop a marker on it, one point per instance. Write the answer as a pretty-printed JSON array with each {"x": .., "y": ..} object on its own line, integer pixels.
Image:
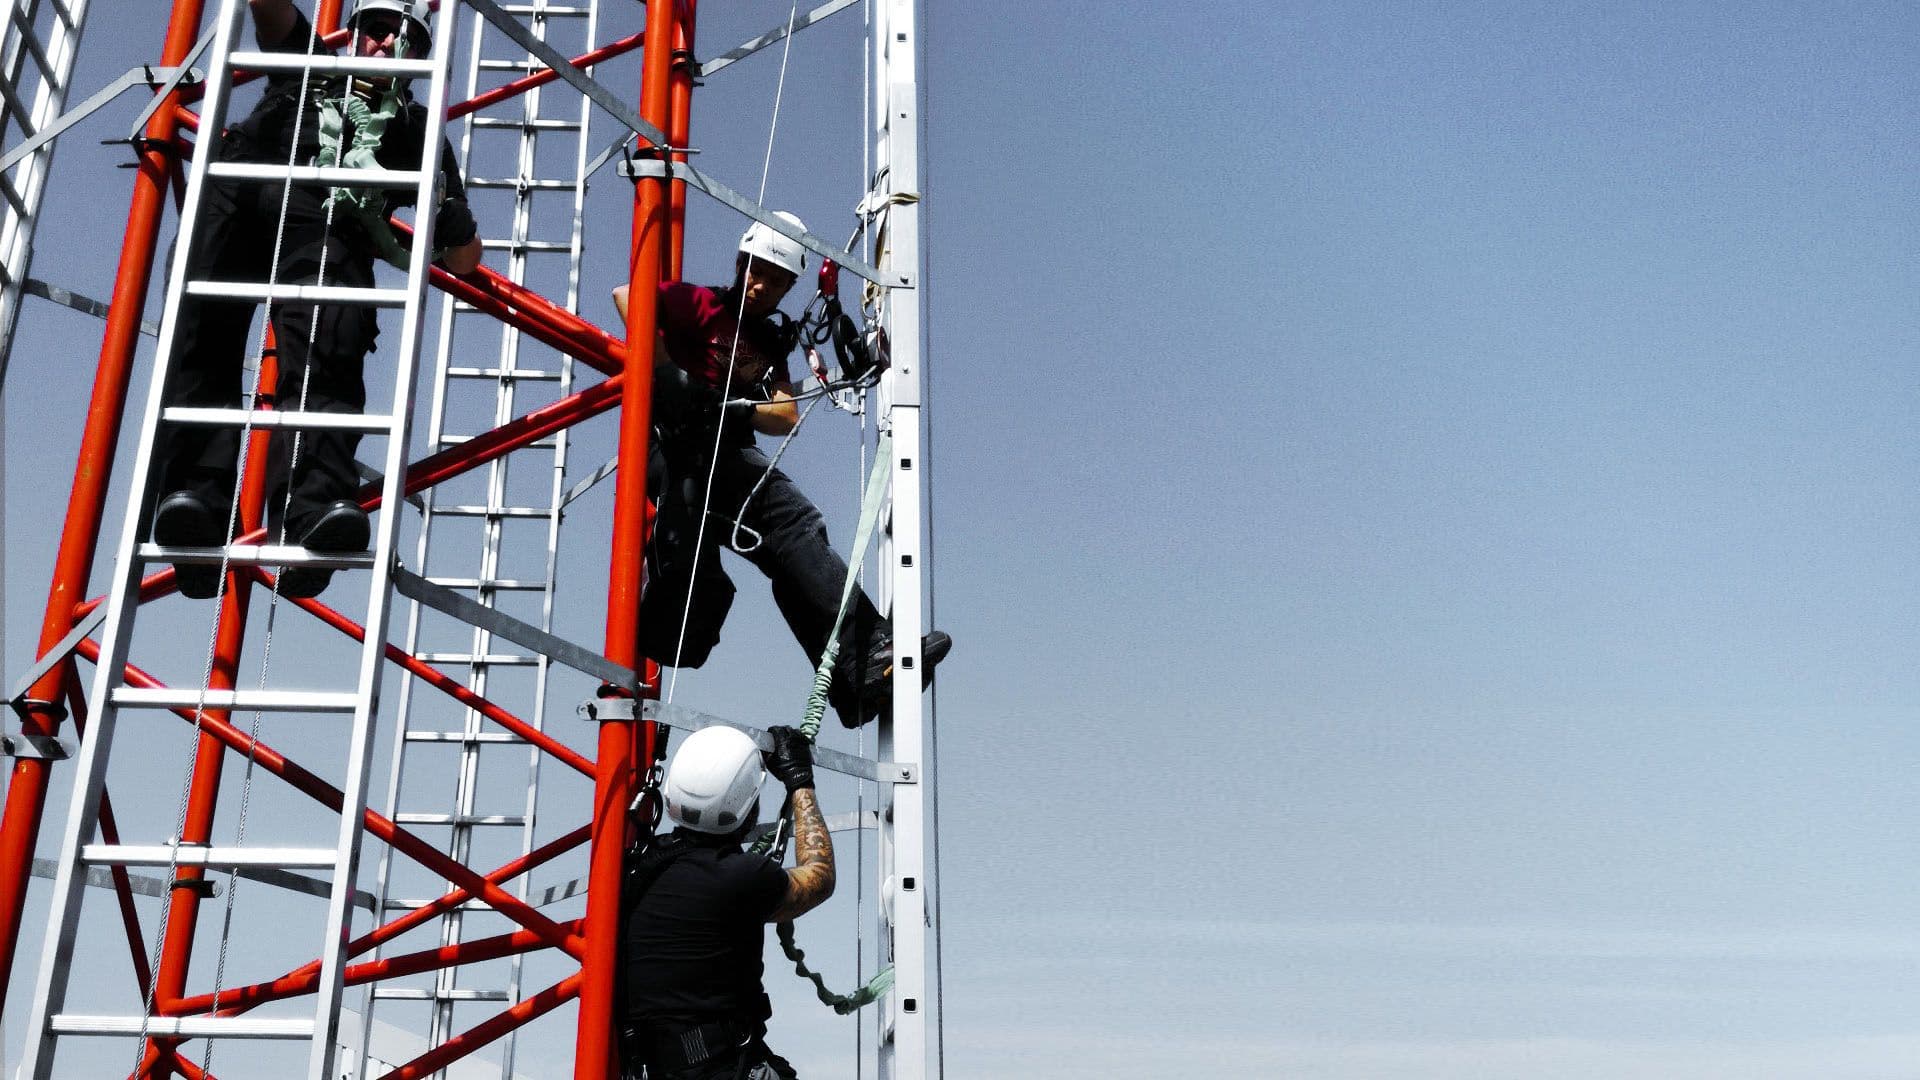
[{"x": 1424, "y": 498}]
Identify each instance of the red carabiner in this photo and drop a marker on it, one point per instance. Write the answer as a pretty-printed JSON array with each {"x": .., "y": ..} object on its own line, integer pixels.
[{"x": 829, "y": 279}]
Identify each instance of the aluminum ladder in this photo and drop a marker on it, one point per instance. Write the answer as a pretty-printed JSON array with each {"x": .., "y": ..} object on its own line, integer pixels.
[
  {"x": 502, "y": 153},
  {"x": 49, "y": 1019},
  {"x": 32, "y": 97}
]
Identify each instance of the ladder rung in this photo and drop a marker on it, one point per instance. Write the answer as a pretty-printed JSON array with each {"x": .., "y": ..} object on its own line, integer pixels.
[
  {"x": 536, "y": 123},
  {"x": 464, "y": 737},
  {"x": 323, "y": 701},
  {"x": 332, "y": 65},
  {"x": 370, "y": 423},
  {"x": 490, "y": 659},
  {"x": 550, "y": 12},
  {"x": 517, "y": 185},
  {"x": 554, "y": 247},
  {"x": 192, "y": 1027},
  {"x": 520, "y": 374},
  {"x": 423, "y": 818},
  {"x": 415, "y": 905},
  {"x": 494, "y": 511},
  {"x": 405, "y": 993},
  {"x": 499, "y": 584},
  {"x": 321, "y": 294},
  {"x": 258, "y": 555},
  {"x": 193, "y": 855},
  {"x": 314, "y": 174}
]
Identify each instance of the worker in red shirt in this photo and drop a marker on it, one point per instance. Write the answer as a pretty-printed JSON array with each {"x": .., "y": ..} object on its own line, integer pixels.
[{"x": 720, "y": 375}]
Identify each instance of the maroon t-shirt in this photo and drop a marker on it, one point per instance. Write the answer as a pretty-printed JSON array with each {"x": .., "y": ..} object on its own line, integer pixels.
[{"x": 698, "y": 324}]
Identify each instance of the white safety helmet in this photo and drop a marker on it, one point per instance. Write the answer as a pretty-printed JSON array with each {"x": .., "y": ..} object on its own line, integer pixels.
[
  {"x": 416, "y": 11},
  {"x": 714, "y": 780},
  {"x": 768, "y": 246}
]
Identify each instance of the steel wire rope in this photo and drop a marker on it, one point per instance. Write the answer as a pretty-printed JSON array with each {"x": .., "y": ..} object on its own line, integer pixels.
[
  {"x": 733, "y": 353},
  {"x": 219, "y": 598}
]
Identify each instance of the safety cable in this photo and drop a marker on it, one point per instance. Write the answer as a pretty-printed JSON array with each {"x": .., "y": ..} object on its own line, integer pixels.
[
  {"x": 726, "y": 386},
  {"x": 872, "y": 499},
  {"x": 219, "y": 598}
]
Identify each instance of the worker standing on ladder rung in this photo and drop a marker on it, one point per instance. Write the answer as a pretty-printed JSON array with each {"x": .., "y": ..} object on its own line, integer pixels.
[
  {"x": 331, "y": 236},
  {"x": 720, "y": 375},
  {"x": 697, "y": 905}
]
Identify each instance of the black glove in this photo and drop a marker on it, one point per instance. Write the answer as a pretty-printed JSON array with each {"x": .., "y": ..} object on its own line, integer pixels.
[
  {"x": 454, "y": 226},
  {"x": 791, "y": 759}
]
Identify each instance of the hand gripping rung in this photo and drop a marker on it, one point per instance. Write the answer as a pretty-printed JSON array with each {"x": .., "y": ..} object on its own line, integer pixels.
[
  {"x": 367, "y": 423},
  {"x": 215, "y": 857},
  {"x": 189, "y": 1027},
  {"x": 256, "y": 291},
  {"x": 331, "y": 65},
  {"x": 258, "y": 555},
  {"x": 316, "y": 701},
  {"x": 314, "y": 174}
]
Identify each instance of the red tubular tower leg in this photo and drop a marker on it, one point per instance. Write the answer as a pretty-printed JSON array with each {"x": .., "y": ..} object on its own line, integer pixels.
[
  {"x": 594, "y": 1051},
  {"x": 27, "y": 789}
]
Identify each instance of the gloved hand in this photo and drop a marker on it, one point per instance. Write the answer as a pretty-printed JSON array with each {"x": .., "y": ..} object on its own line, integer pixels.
[
  {"x": 791, "y": 759},
  {"x": 453, "y": 225}
]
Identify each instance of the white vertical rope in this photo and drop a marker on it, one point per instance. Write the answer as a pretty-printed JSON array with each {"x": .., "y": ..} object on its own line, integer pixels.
[{"x": 726, "y": 388}]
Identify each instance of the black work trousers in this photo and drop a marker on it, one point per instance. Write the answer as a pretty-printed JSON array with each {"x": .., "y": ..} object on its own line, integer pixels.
[
  {"x": 321, "y": 348},
  {"x": 781, "y": 532}
]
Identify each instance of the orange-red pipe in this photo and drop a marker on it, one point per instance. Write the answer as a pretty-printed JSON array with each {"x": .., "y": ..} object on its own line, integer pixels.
[{"x": 595, "y": 1050}]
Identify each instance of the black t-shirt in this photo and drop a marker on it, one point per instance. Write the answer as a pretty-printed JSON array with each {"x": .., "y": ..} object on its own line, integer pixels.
[
  {"x": 693, "y": 939},
  {"x": 266, "y": 135}
]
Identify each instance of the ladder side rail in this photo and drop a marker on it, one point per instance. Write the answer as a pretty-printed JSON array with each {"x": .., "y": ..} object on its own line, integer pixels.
[
  {"x": 903, "y": 837},
  {"x": 379, "y": 603},
  {"x": 123, "y": 597}
]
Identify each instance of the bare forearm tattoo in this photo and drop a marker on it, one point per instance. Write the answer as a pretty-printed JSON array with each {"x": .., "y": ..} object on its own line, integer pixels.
[{"x": 810, "y": 881}]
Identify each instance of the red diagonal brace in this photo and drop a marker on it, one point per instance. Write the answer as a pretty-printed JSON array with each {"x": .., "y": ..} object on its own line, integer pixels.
[
  {"x": 500, "y": 1024},
  {"x": 411, "y": 920},
  {"x": 327, "y": 795}
]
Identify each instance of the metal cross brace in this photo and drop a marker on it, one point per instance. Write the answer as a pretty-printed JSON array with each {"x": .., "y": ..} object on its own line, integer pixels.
[
  {"x": 624, "y": 113},
  {"x": 777, "y": 33},
  {"x": 60, "y": 651},
  {"x": 500, "y": 624},
  {"x": 852, "y": 821},
  {"x": 699, "y": 181},
  {"x": 78, "y": 302},
  {"x": 681, "y": 718},
  {"x": 143, "y": 75},
  {"x": 184, "y": 73}
]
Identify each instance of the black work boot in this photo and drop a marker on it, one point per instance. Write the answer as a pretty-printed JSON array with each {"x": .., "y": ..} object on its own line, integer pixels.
[
  {"x": 190, "y": 519},
  {"x": 875, "y": 673},
  {"x": 342, "y": 528}
]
